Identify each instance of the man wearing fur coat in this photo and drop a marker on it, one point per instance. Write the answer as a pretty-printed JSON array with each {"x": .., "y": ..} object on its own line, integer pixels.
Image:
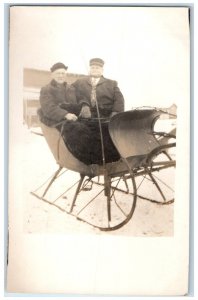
[{"x": 96, "y": 88}]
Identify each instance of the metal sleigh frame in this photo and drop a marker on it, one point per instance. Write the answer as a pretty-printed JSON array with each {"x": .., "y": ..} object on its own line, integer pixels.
[{"x": 144, "y": 153}]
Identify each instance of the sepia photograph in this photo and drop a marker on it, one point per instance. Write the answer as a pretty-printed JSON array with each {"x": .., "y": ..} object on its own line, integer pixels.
[{"x": 99, "y": 126}]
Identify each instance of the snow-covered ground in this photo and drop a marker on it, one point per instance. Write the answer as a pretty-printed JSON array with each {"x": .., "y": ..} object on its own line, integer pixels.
[{"x": 37, "y": 164}]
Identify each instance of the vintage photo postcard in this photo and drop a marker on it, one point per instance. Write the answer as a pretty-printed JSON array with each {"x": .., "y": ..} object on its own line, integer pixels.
[{"x": 99, "y": 130}]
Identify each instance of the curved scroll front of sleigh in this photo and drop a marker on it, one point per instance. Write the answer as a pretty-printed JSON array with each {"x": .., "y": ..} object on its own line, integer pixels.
[{"x": 105, "y": 196}]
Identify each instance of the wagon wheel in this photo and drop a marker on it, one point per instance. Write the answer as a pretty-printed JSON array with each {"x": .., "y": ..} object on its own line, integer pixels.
[
  {"x": 107, "y": 206},
  {"x": 155, "y": 182}
]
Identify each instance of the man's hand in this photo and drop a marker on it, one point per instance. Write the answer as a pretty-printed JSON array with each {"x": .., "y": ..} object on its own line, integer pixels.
[
  {"x": 71, "y": 117},
  {"x": 85, "y": 112},
  {"x": 113, "y": 114}
]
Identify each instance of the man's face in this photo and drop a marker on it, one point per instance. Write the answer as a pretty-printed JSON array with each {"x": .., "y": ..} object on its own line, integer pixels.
[
  {"x": 59, "y": 75},
  {"x": 96, "y": 71}
]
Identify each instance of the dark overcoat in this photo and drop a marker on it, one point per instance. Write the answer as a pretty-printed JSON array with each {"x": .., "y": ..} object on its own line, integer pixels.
[
  {"x": 56, "y": 101},
  {"x": 108, "y": 94},
  {"x": 81, "y": 137}
]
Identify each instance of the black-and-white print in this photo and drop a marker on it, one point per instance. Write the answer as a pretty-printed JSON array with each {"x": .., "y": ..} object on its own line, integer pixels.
[{"x": 101, "y": 96}]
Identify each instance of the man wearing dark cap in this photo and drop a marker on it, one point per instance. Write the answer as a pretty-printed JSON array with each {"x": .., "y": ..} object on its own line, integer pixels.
[
  {"x": 97, "y": 88},
  {"x": 100, "y": 98},
  {"x": 57, "y": 98}
]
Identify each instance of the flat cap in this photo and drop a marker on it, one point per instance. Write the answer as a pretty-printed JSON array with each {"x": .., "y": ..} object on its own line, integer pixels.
[
  {"x": 96, "y": 61},
  {"x": 57, "y": 66}
]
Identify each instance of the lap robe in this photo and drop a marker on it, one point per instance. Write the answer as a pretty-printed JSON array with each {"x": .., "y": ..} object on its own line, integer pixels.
[
  {"x": 82, "y": 137},
  {"x": 83, "y": 140}
]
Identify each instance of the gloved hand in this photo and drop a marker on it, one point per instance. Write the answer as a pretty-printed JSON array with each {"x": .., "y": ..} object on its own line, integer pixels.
[
  {"x": 85, "y": 112},
  {"x": 71, "y": 117},
  {"x": 113, "y": 114}
]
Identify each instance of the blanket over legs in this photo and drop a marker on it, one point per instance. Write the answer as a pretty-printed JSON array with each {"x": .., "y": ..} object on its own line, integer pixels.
[{"x": 83, "y": 140}]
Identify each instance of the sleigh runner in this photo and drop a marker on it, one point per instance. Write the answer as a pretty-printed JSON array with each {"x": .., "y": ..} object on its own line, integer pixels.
[{"x": 105, "y": 195}]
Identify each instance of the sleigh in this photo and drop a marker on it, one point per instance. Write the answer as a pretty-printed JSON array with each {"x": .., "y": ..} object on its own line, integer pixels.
[{"x": 105, "y": 196}]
